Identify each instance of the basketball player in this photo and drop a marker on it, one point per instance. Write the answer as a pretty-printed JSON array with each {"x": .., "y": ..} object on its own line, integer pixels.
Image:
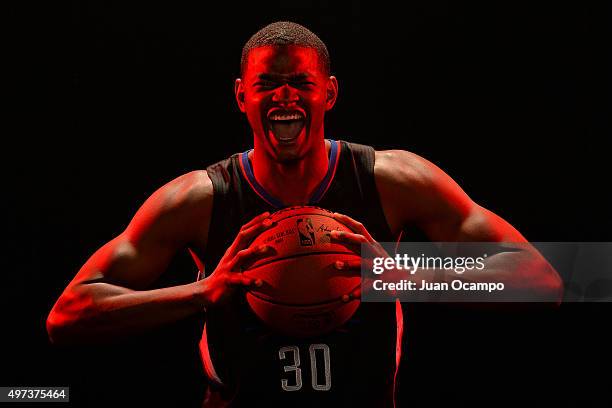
[{"x": 285, "y": 90}]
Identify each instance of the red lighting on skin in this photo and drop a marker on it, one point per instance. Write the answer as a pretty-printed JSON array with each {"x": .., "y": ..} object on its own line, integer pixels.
[{"x": 289, "y": 80}]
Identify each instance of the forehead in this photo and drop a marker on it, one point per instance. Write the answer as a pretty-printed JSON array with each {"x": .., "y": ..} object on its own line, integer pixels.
[{"x": 284, "y": 59}]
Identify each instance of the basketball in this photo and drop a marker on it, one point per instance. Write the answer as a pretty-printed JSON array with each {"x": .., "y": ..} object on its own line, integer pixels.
[{"x": 302, "y": 291}]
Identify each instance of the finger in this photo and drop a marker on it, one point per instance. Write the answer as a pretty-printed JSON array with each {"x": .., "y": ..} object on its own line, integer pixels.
[
  {"x": 356, "y": 249},
  {"x": 354, "y": 295},
  {"x": 352, "y": 264},
  {"x": 246, "y": 236},
  {"x": 250, "y": 255},
  {"x": 357, "y": 293},
  {"x": 240, "y": 280},
  {"x": 358, "y": 244},
  {"x": 350, "y": 237},
  {"x": 255, "y": 220},
  {"x": 353, "y": 225}
]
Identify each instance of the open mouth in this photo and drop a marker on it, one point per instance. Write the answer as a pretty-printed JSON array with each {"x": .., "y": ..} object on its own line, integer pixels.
[{"x": 286, "y": 126}]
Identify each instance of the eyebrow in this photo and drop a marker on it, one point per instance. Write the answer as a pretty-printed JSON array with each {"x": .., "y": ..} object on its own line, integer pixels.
[{"x": 290, "y": 77}]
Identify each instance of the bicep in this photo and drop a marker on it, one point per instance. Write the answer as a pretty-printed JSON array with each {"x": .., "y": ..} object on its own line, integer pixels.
[
  {"x": 165, "y": 224},
  {"x": 452, "y": 216},
  {"x": 127, "y": 263},
  {"x": 486, "y": 226},
  {"x": 443, "y": 210}
]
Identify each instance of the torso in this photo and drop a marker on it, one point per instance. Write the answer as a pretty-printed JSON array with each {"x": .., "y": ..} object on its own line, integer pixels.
[
  {"x": 395, "y": 217},
  {"x": 241, "y": 355}
]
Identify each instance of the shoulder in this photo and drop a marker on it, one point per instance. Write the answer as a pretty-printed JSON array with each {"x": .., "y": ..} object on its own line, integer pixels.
[
  {"x": 190, "y": 189},
  {"x": 179, "y": 208},
  {"x": 401, "y": 168},
  {"x": 413, "y": 189}
]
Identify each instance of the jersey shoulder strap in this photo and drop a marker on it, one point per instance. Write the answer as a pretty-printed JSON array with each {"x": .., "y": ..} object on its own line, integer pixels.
[
  {"x": 361, "y": 162},
  {"x": 226, "y": 194},
  {"x": 220, "y": 174}
]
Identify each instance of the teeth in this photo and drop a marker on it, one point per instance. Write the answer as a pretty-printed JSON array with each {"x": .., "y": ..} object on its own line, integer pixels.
[{"x": 285, "y": 116}]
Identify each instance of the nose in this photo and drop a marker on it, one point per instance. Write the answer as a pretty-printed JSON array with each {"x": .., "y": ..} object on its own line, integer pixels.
[{"x": 285, "y": 95}]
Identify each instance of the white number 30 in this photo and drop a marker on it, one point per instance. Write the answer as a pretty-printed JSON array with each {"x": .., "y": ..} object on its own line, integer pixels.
[{"x": 295, "y": 367}]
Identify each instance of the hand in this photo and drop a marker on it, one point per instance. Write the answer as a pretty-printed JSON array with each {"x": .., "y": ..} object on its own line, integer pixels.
[
  {"x": 354, "y": 240},
  {"x": 228, "y": 276}
]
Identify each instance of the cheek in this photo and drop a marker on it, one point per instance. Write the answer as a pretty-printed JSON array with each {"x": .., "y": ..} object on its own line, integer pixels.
[
  {"x": 318, "y": 105},
  {"x": 319, "y": 98},
  {"x": 252, "y": 106},
  {"x": 252, "y": 99},
  {"x": 317, "y": 101}
]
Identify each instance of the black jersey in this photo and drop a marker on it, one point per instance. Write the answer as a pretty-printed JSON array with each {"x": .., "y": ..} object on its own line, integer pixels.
[{"x": 249, "y": 365}]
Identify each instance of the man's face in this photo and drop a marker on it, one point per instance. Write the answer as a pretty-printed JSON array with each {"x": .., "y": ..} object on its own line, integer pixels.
[{"x": 285, "y": 93}]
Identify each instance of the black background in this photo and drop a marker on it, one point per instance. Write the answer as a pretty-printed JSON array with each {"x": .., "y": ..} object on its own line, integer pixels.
[{"x": 110, "y": 100}]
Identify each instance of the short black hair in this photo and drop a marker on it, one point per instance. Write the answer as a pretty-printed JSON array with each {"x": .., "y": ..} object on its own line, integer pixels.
[{"x": 286, "y": 33}]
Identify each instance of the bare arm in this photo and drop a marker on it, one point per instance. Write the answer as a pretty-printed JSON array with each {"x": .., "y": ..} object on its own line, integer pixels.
[
  {"x": 107, "y": 297},
  {"x": 414, "y": 190}
]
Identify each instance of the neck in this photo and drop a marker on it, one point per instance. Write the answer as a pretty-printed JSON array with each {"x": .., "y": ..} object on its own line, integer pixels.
[{"x": 293, "y": 183}]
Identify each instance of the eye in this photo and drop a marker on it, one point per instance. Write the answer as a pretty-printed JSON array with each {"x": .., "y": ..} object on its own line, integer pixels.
[
  {"x": 303, "y": 84},
  {"x": 266, "y": 84}
]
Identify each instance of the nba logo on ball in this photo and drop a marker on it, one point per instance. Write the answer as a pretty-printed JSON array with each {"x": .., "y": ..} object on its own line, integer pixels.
[
  {"x": 306, "y": 231},
  {"x": 303, "y": 291}
]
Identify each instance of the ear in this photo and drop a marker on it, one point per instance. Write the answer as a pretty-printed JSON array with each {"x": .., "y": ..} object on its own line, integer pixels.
[
  {"x": 239, "y": 92},
  {"x": 332, "y": 92}
]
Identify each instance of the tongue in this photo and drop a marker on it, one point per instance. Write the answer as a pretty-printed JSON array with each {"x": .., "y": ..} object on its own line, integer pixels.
[{"x": 286, "y": 130}]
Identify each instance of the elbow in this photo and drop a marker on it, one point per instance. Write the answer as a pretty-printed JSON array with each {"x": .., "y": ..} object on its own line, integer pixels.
[
  {"x": 551, "y": 285},
  {"x": 557, "y": 288},
  {"x": 65, "y": 322},
  {"x": 63, "y": 332},
  {"x": 56, "y": 329}
]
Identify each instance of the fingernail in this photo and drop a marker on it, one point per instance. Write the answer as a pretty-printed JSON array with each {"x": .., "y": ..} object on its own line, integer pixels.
[
  {"x": 345, "y": 298},
  {"x": 339, "y": 264},
  {"x": 258, "y": 283},
  {"x": 262, "y": 248},
  {"x": 267, "y": 223}
]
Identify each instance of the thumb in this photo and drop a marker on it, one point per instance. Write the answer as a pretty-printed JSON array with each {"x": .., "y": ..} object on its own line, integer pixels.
[{"x": 354, "y": 295}]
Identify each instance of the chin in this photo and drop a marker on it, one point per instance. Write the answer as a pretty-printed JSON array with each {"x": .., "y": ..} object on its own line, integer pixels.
[
  {"x": 291, "y": 152},
  {"x": 287, "y": 156}
]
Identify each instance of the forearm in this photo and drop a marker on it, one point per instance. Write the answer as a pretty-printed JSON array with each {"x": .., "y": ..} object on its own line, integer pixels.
[
  {"x": 94, "y": 312},
  {"x": 524, "y": 275}
]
